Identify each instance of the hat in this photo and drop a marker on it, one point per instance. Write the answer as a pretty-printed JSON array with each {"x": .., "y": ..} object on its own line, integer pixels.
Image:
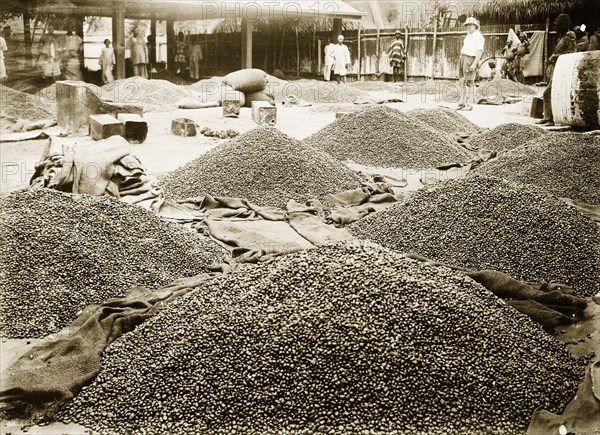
[
  {"x": 397, "y": 32},
  {"x": 563, "y": 21},
  {"x": 341, "y": 37},
  {"x": 471, "y": 20}
]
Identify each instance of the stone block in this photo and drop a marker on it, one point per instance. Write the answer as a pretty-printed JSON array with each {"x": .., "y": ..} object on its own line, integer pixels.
[
  {"x": 136, "y": 127},
  {"x": 105, "y": 126},
  {"x": 264, "y": 113}
]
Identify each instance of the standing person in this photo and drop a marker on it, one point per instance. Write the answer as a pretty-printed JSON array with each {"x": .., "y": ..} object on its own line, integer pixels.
[
  {"x": 508, "y": 67},
  {"x": 594, "y": 38},
  {"x": 329, "y": 59},
  {"x": 72, "y": 46},
  {"x": 139, "y": 53},
  {"x": 195, "y": 58},
  {"x": 521, "y": 51},
  {"x": 180, "y": 53},
  {"x": 3, "y": 48},
  {"x": 397, "y": 55},
  {"x": 583, "y": 42},
  {"x": 470, "y": 56},
  {"x": 566, "y": 44},
  {"x": 48, "y": 54},
  {"x": 342, "y": 60},
  {"x": 106, "y": 62}
]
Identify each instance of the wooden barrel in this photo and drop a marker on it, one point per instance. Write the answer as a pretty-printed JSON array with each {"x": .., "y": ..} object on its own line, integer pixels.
[{"x": 576, "y": 89}]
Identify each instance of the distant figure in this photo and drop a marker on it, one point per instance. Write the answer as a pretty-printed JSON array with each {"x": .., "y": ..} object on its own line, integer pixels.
[
  {"x": 582, "y": 40},
  {"x": 195, "y": 56},
  {"x": 3, "y": 48},
  {"x": 329, "y": 59},
  {"x": 508, "y": 67},
  {"x": 48, "y": 54},
  {"x": 594, "y": 39},
  {"x": 72, "y": 48},
  {"x": 521, "y": 51},
  {"x": 566, "y": 44},
  {"x": 397, "y": 55},
  {"x": 492, "y": 64},
  {"x": 139, "y": 54},
  {"x": 106, "y": 62},
  {"x": 342, "y": 60},
  {"x": 181, "y": 53},
  {"x": 470, "y": 56}
]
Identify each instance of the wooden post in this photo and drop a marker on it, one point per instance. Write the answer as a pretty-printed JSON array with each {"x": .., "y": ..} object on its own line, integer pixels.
[
  {"x": 246, "y": 43},
  {"x": 297, "y": 54},
  {"x": 312, "y": 48},
  {"x": 319, "y": 56},
  {"x": 359, "y": 53},
  {"x": 27, "y": 34},
  {"x": 435, "y": 23},
  {"x": 278, "y": 66},
  {"x": 153, "y": 42},
  {"x": 171, "y": 45},
  {"x": 337, "y": 27},
  {"x": 406, "y": 50},
  {"x": 118, "y": 34},
  {"x": 378, "y": 50},
  {"x": 545, "y": 56}
]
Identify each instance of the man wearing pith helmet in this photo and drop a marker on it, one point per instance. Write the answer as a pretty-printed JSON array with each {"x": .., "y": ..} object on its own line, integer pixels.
[{"x": 470, "y": 55}]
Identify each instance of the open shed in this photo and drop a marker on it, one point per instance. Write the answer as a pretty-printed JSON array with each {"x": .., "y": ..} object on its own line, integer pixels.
[{"x": 181, "y": 10}]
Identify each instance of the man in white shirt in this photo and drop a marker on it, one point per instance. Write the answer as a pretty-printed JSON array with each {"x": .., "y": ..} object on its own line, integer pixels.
[
  {"x": 342, "y": 60},
  {"x": 470, "y": 55},
  {"x": 329, "y": 59}
]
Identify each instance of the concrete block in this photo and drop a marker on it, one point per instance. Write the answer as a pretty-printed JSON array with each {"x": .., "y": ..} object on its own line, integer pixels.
[
  {"x": 264, "y": 113},
  {"x": 136, "y": 127},
  {"x": 183, "y": 127},
  {"x": 76, "y": 101},
  {"x": 231, "y": 108},
  {"x": 105, "y": 126}
]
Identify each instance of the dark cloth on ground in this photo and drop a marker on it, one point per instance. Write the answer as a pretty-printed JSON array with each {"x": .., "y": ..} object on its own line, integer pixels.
[
  {"x": 581, "y": 415},
  {"x": 43, "y": 379}
]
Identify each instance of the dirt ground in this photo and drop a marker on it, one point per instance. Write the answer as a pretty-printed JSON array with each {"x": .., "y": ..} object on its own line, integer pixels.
[{"x": 163, "y": 152}]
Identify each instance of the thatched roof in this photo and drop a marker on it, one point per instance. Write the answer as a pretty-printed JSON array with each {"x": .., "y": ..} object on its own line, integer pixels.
[{"x": 536, "y": 11}]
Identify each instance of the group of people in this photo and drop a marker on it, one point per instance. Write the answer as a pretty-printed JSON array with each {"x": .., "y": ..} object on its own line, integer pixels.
[
  {"x": 513, "y": 54},
  {"x": 337, "y": 58},
  {"x": 60, "y": 56},
  {"x": 188, "y": 54}
]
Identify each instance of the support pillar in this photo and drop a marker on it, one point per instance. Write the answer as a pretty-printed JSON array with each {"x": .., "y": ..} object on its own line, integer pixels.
[
  {"x": 246, "y": 43},
  {"x": 153, "y": 41},
  {"x": 171, "y": 45},
  {"x": 27, "y": 35},
  {"x": 118, "y": 34},
  {"x": 337, "y": 27}
]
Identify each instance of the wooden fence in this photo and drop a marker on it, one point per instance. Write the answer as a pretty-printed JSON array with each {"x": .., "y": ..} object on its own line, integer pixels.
[{"x": 304, "y": 55}]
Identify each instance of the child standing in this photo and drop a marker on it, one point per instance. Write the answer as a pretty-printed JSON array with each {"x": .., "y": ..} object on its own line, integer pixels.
[{"x": 106, "y": 61}]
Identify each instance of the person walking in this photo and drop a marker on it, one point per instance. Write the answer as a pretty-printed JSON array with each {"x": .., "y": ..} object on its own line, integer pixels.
[
  {"x": 342, "y": 60},
  {"x": 195, "y": 58},
  {"x": 567, "y": 43},
  {"x": 139, "y": 54},
  {"x": 329, "y": 59},
  {"x": 72, "y": 48},
  {"x": 48, "y": 54},
  {"x": 106, "y": 62},
  {"x": 470, "y": 55},
  {"x": 397, "y": 55}
]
